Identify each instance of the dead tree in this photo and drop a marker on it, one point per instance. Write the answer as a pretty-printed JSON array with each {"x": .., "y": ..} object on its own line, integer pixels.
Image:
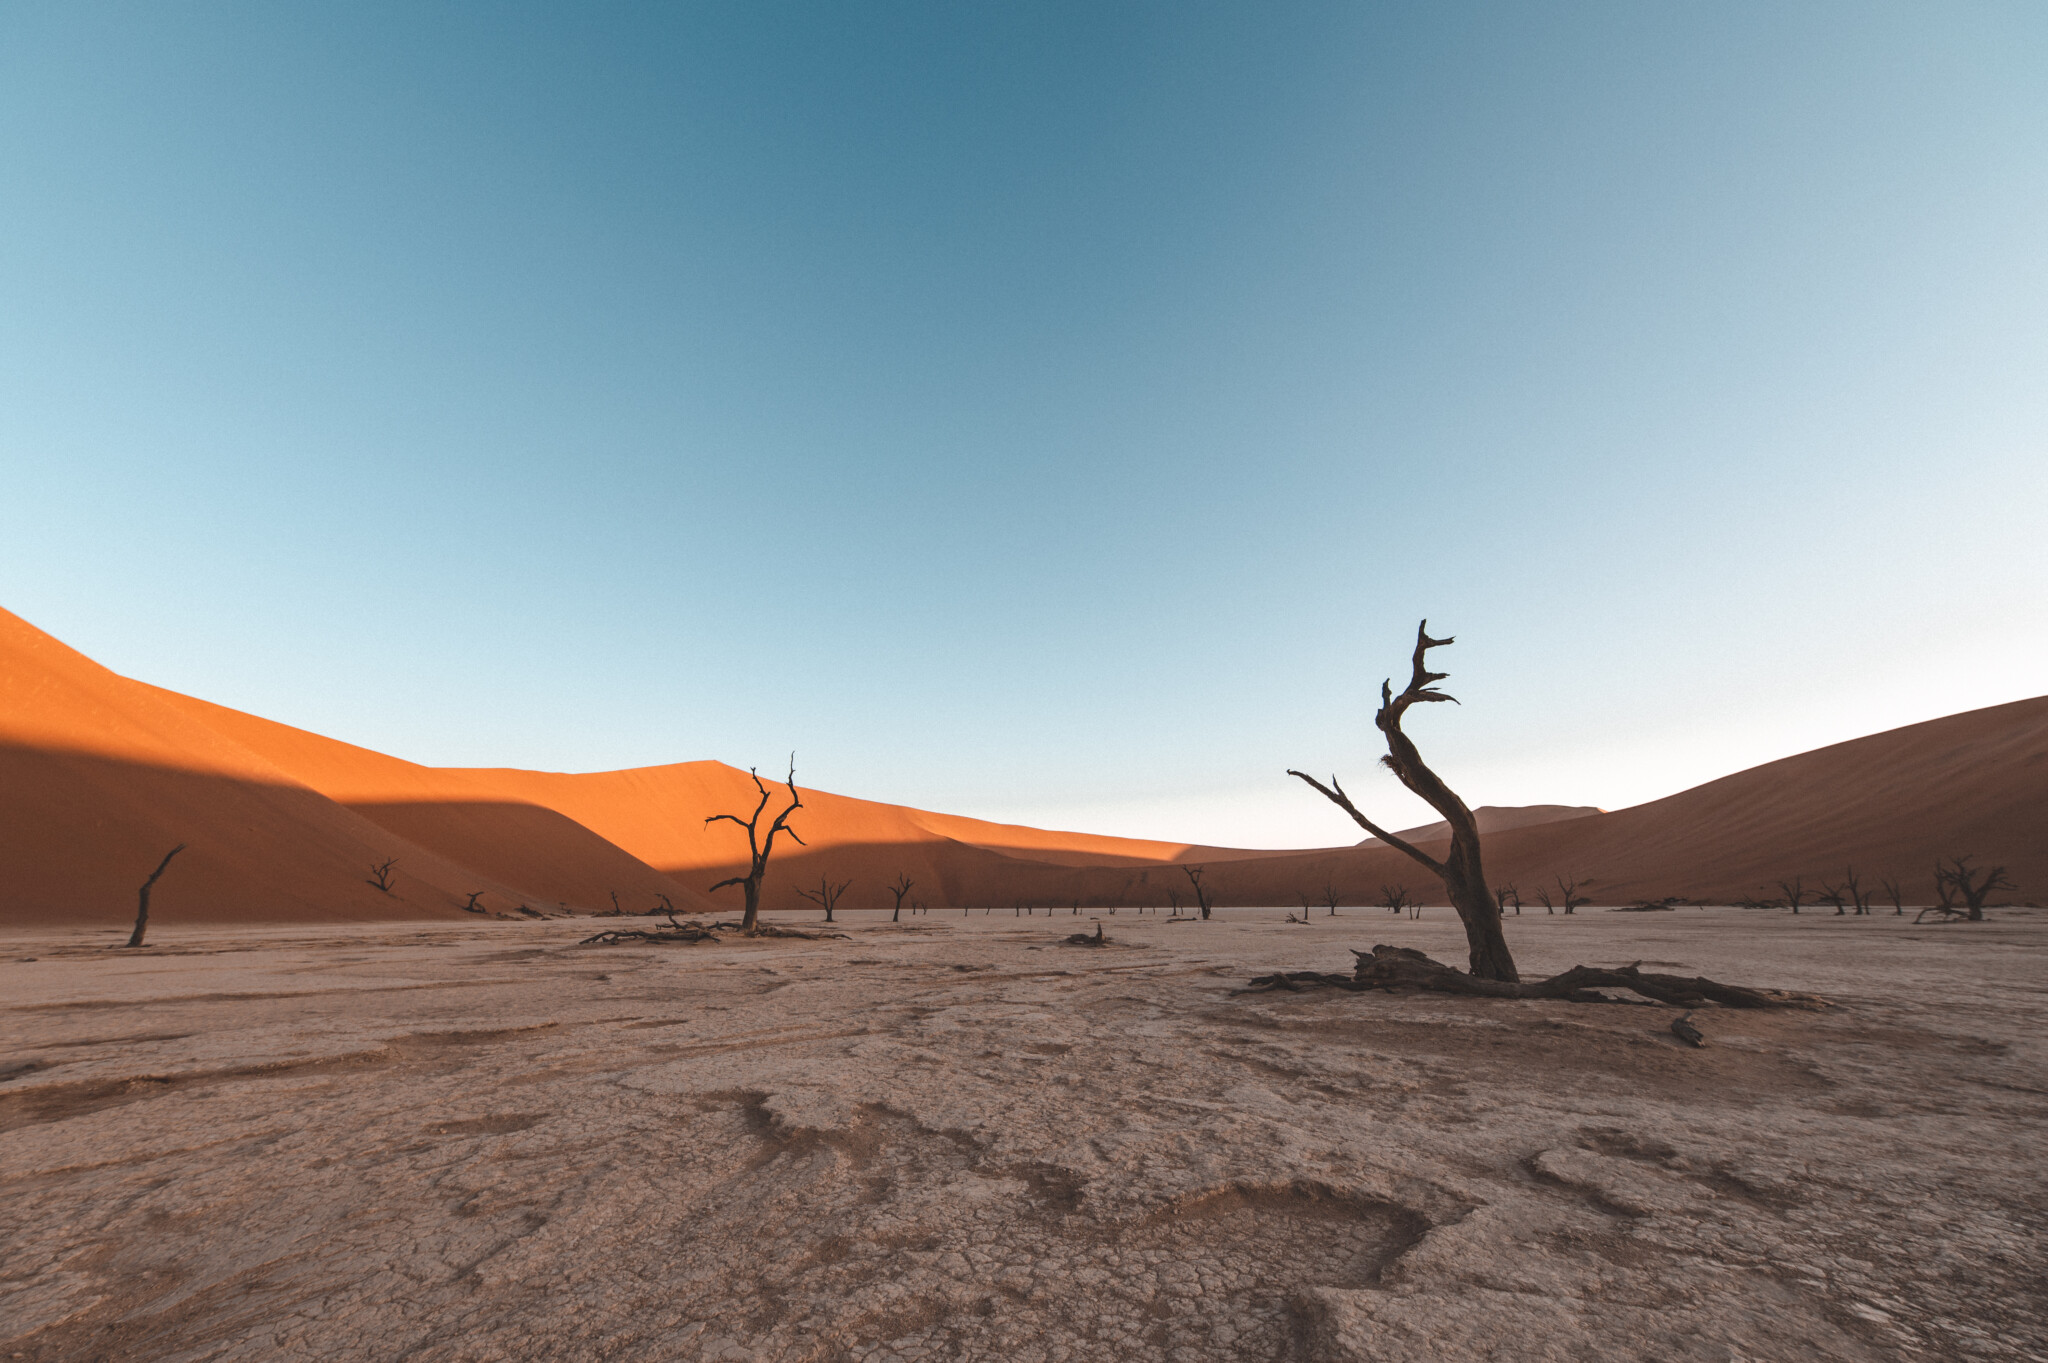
[
  {"x": 1461, "y": 872},
  {"x": 759, "y": 847},
  {"x": 1795, "y": 892},
  {"x": 1303, "y": 896},
  {"x": 1894, "y": 892},
  {"x": 1504, "y": 895},
  {"x": 380, "y": 875},
  {"x": 1201, "y": 895},
  {"x": 1543, "y": 898},
  {"x": 826, "y": 896},
  {"x": 1971, "y": 884},
  {"x": 1832, "y": 894},
  {"x": 900, "y": 887},
  {"x": 1568, "y": 893},
  {"x": 142, "y": 898},
  {"x": 473, "y": 907},
  {"x": 1859, "y": 894},
  {"x": 1330, "y": 898},
  {"x": 1173, "y": 898},
  {"x": 1395, "y": 897}
]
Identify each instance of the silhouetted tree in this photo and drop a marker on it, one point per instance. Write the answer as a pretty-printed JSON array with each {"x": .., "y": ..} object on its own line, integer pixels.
[
  {"x": 1395, "y": 897},
  {"x": 1832, "y": 894},
  {"x": 1330, "y": 898},
  {"x": 759, "y": 847},
  {"x": 1173, "y": 898},
  {"x": 1461, "y": 872},
  {"x": 1505, "y": 895},
  {"x": 380, "y": 875},
  {"x": 473, "y": 907},
  {"x": 1859, "y": 895},
  {"x": 899, "y": 887},
  {"x": 1568, "y": 893},
  {"x": 826, "y": 896},
  {"x": 1201, "y": 895},
  {"x": 1795, "y": 892},
  {"x": 142, "y": 898},
  {"x": 1543, "y": 898},
  {"x": 1971, "y": 884},
  {"x": 1894, "y": 892}
]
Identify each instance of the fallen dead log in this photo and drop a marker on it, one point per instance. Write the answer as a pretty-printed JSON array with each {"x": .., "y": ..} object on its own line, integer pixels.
[
  {"x": 771, "y": 930},
  {"x": 1082, "y": 939},
  {"x": 681, "y": 933},
  {"x": 1395, "y": 968}
]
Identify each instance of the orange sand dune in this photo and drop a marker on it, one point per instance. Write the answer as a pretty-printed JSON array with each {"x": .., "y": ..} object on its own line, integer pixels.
[{"x": 99, "y": 775}]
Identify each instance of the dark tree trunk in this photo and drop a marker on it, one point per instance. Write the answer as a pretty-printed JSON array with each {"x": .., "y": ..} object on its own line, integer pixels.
[
  {"x": 1463, "y": 875},
  {"x": 142, "y": 898}
]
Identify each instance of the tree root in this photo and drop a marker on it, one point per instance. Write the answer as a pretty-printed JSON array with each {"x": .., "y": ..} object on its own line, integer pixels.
[{"x": 1393, "y": 968}]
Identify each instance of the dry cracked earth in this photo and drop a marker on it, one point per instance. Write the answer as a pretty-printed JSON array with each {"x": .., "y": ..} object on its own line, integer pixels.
[{"x": 959, "y": 1138}]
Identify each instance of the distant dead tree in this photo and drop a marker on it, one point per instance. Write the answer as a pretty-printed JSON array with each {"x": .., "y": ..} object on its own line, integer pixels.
[
  {"x": 899, "y": 887},
  {"x": 1330, "y": 898},
  {"x": 380, "y": 874},
  {"x": 1461, "y": 872},
  {"x": 1894, "y": 892},
  {"x": 142, "y": 898},
  {"x": 1543, "y": 898},
  {"x": 1195, "y": 879},
  {"x": 826, "y": 896},
  {"x": 1859, "y": 894},
  {"x": 1395, "y": 897},
  {"x": 473, "y": 907},
  {"x": 759, "y": 847},
  {"x": 1173, "y": 898},
  {"x": 1505, "y": 895},
  {"x": 617, "y": 911},
  {"x": 1568, "y": 888},
  {"x": 1795, "y": 892},
  {"x": 1832, "y": 894},
  {"x": 1971, "y": 884}
]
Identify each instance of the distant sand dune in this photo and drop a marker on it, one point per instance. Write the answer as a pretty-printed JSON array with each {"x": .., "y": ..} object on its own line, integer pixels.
[{"x": 100, "y": 775}]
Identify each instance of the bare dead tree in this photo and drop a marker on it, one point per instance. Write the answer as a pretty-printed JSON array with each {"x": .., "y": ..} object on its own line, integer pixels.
[
  {"x": 758, "y": 847},
  {"x": 473, "y": 907},
  {"x": 826, "y": 896},
  {"x": 1859, "y": 894},
  {"x": 1173, "y": 898},
  {"x": 899, "y": 887},
  {"x": 1504, "y": 895},
  {"x": 1543, "y": 898},
  {"x": 1832, "y": 894},
  {"x": 1461, "y": 872},
  {"x": 380, "y": 874},
  {"x": 1195, "y": 879},
  {"x": 142, "y": 898},
  {"x": 1303, "y": 896},
  {"x": 1972, "y": 884},
  {"x": 1330, "y": 898},
  {"x": 1568, "y": 893},
  {"x": 1395, "y": 897},
  {"x": 1795, "y": 892},
  {"x": 617, "y": 910},
  {"x": 1894, "y": 892}
]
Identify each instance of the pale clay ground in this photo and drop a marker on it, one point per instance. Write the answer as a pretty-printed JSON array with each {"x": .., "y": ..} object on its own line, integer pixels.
[{"x": 956, "y": 1139}]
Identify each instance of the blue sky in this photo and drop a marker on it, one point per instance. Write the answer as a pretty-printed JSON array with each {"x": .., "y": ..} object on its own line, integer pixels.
[{"x": 1054, "y": 412}]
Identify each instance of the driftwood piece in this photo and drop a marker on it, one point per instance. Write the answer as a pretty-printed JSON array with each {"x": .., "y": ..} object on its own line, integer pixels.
[
  {"x": 774, "y": 930},
  {"x": 1682, "y": 1028},
  {"x": 1392, "y": 968}
]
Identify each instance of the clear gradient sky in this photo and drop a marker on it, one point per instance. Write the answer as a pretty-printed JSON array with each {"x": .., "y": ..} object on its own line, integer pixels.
[{"x": 1060, "y": 413}]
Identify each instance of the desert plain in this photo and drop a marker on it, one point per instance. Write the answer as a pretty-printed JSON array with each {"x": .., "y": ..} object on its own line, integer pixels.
[{"x": 958, "y": 1137}]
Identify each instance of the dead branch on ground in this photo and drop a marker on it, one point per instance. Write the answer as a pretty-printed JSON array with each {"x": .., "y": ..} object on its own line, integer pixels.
[{"x": 1397, "y": 968}]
